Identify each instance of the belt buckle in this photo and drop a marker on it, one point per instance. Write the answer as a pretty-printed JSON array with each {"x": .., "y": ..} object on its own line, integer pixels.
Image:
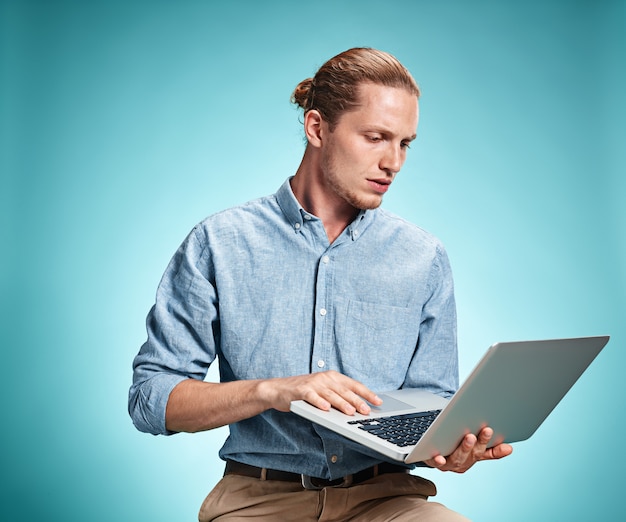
[{"x": 307, "y": 483}]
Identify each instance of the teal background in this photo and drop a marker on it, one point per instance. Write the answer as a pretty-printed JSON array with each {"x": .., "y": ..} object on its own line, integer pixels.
[{"x": 125, "y": 123}]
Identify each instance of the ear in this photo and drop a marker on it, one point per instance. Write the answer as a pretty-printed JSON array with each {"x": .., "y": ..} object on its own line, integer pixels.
[{"x": 313, "y": 127}]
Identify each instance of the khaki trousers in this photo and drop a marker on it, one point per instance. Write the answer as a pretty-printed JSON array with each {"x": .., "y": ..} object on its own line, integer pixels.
[{"x": 394, "y": 496}]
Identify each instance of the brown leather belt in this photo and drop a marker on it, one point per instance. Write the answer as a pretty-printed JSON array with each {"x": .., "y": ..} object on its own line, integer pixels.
[{"x": 238, "y": 468}]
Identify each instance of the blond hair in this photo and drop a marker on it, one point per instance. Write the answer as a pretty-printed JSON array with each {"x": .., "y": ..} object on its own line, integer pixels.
[{"x": 335, "y": 87}]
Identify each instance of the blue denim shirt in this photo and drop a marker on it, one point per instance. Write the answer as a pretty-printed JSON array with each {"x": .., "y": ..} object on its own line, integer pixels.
[{"x": 260, "y": 288}]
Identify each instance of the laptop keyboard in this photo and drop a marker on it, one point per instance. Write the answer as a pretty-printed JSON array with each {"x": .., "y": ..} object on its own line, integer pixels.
[{"x": 402, "y": 430}]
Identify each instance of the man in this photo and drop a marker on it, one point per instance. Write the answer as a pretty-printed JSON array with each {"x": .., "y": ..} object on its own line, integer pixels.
[{"x": 312, "y": 293}]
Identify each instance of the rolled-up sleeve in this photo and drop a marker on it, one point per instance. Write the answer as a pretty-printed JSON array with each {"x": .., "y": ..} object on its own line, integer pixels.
[
  {"x": 435, "y": 364},
  {"x": 182, "y": 331}
]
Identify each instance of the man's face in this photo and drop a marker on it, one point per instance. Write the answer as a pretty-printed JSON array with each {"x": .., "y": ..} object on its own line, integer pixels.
[{"x": 367, "y": 148}]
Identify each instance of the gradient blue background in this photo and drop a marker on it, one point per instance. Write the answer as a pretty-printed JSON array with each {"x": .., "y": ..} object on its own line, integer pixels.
[{"x": 125, "y": 123}]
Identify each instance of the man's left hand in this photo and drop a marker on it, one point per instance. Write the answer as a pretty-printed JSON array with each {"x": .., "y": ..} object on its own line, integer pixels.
[{"x": 471, "y": 449}]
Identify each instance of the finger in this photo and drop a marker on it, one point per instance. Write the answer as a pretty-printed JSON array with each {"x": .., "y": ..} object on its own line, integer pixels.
[
  {"x": 467, "y": 445},
  {"x": 327, "y": 399},
  {"x": 364, "y": 399},
  {"x": 482, "y": 440},
  {"x": 438, "y": 462},
  {"x": 363, "y": 408},
  {"x": 370, "y": 397},
  {"x": 356, "y": 393},
  {"x": 462, "y": 452},
  {"x": 458, "y": 459},
  {"x": 359, "y": 404},
  {"x": 480, "y": 451},
  {"x": 345, "y": 402},
  {"x": 499, "y": 451},
  {"x": 362, "y": 393},
  {"x": 317, "y": 400},
  {"x": 485, "y": 436},
  {"x": 348, "y": 402}
]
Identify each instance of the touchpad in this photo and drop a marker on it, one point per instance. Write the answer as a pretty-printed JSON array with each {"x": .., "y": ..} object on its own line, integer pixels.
[{"x": 390, "y": 405}]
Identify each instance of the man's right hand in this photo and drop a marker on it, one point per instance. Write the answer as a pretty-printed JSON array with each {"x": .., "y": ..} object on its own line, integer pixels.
[{"x": 323, "y": 390}]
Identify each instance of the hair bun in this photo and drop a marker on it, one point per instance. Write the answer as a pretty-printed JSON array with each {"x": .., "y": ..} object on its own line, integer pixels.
[{"x": 301, "y": 93}]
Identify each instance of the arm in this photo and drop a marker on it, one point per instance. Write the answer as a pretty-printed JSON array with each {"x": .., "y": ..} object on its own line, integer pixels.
[
  {"x": 435, "y": 364},
  {"x": 197, "y": 406}
]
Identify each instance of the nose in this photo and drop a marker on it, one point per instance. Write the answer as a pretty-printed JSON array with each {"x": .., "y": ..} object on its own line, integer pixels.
[{"x": 392, "y": 160}]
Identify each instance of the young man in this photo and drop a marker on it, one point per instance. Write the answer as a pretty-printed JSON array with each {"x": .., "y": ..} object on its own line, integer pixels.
[{"x": 312, "y": 293}]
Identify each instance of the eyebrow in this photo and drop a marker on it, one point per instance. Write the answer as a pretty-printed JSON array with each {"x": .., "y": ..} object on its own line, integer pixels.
[{"x": 382, "y": 130}]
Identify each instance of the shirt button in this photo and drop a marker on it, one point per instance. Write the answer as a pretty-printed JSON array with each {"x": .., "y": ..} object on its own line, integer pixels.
[
  {"x": 323, "y": 311},
  {"x": 334, "y": 459},
  {"x": 296, "y": 226},
  {"x": 325, "y": 259},
  {"x": 320, "y": 363},
  {"x": 307, "y": 217}
]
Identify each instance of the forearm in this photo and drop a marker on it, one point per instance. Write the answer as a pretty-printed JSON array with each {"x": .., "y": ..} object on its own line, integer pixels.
[{"x": 199, "y": 406}]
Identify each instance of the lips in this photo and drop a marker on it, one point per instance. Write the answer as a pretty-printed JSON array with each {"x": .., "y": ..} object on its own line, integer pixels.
[{"x": 379, "y": 185}]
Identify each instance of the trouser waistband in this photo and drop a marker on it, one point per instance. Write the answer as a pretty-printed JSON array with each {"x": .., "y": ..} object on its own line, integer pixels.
[{"x": 238, "y": 468}]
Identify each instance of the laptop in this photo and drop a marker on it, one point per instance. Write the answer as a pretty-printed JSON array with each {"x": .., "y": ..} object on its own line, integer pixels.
[{"x": 512, "y": 389}]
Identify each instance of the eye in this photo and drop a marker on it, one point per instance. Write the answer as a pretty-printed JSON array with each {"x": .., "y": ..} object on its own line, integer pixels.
[
  {"x": 374, "y": 138},
  {"x": 405, "y": 145}
]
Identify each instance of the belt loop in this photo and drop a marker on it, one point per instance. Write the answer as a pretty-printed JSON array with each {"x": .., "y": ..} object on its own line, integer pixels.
[
  {"x": 375, "y": 470},
  {"x": 263, "y": 474}
]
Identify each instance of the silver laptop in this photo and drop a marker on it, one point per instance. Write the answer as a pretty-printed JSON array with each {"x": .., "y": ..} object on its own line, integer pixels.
[{"x": 513, "y": 389}]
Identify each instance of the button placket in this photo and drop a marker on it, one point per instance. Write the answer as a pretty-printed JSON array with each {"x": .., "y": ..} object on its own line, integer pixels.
[{"x": 322, "y": 328}]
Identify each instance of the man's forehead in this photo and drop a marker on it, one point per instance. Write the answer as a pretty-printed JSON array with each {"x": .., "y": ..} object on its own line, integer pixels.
[{"x": 387, "y": 106}]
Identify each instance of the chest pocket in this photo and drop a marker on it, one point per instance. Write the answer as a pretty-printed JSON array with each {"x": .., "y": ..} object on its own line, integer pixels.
[{"x": 377, "y": 342}]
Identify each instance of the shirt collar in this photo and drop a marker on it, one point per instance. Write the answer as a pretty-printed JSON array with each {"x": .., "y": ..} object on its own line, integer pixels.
[
  {"x": 289, "y": 205},
  {"x": 296, "y": 215}
]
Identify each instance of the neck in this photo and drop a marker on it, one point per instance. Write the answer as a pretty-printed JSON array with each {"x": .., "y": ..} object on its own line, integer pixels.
[{"x": 317, "y": 198}]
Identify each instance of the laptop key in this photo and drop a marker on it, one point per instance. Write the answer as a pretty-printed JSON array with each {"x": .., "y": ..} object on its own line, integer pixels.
[{"x": 402, "y": 430}]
